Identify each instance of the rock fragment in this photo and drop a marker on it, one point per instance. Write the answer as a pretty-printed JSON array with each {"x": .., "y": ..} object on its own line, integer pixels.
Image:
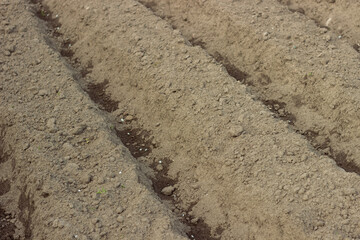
[
  {"x": 236, "y": 131},
  {"x": 43, "y": 92},
  {"x": 129, "y": 118},
  {"x": 79, "y": 129},
  {"x": 120, "y": 219},
  {"x": 51, "y": 125},
  {"x": 119, "y": 210},
  {"x": 168, "y": 190},
  {"x": 159, "y": 167}
]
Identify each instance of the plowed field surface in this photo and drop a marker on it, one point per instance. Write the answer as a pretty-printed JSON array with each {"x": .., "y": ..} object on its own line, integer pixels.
[{"x": 168, "y": 119}]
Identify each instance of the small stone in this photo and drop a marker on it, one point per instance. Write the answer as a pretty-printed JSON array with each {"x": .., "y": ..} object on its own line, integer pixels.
[
  {"x": 266, "y": 35},
  {"x": 168, "y": 190},
  {"x": 349, "y": 191},
  {"x": 119, "y": 210},
  {"x": 101, "y": 180},
  {"x": 305, "y": 197},
  {"x": 68, "y": 147},
  {"x": 159, "y": 167},
  {"x": 11, "y": 48},
  {"x": 195, "y": 186},
  {"x": 129, "y": 118},
  {"x": 55, "y": 223},
  {"x": 26, "y": 146},
  {"x": 7, "y": 53},
  {"x": 79, "y": 129},
  {"x": 10, "y": 29},
  {"x": 194, "y": 220},
  {"x": 72, "y": 168},
  {"x": 319, "y": 223},
  {"x": 85, "y": 178},
  {"x": 95, "y": 220},
  {"x": 51, "y": 122},
  {"x": 241, "y": 118},
  {"x": 120, "y": 219},
  {"x": 43, "y": 92},
  {"x": 236, "y": 131}
]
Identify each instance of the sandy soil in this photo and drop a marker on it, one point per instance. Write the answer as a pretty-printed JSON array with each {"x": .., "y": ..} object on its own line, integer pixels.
[
  {"x": 340, "y": 16},
  {"x": 178, "y": 120}
]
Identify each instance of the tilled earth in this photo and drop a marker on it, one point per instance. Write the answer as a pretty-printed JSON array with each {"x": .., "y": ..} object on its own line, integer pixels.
[{"x": 168, "y": 119}]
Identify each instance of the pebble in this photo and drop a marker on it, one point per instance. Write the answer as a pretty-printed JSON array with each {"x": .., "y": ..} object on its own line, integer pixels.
[
  {"x": 51, "y": 124},
  {"x": 7, "y": 53},
  {"x": 26, "y": 146},
  {"x": 266, "y": 36},
  {"x": 129, "y": 118},
  {"x": 119, "y": 210},
  {"x": 11, "y": 48},
  {"x": 85, "y": 178},
  {"x": 159, "y": 167},
  {"x": 79, "y": 129},
  {"x": 120, "y": 219},
  {"x": 43, "y": 92},
  {"x": 168, "y": 190},
  {"x": 101, "y": 180},
  {"x": 72, "y": 168},
  {"x": 194, "y": 220},
  {"x": 236, "y": 131},
  {"x": 10, "y": 29},
  {"x": 349, "y": 191},
  {"x": 68, "y": 147}
]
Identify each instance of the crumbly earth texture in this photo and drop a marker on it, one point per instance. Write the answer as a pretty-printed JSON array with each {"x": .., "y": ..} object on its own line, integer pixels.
[{"x": 178, "y": 120}]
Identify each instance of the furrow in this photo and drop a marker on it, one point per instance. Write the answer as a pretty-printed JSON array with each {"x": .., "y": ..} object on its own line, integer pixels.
[
  {"x": 239, "y": 170},
  {"x": 303, "y": 72}
]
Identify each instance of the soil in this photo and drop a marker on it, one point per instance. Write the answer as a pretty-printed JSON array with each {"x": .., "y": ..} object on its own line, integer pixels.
[{"x": 170, "y": 119}]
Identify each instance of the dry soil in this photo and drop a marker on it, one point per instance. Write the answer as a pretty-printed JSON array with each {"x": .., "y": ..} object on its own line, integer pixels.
[{"x": 172, "y": 119}]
